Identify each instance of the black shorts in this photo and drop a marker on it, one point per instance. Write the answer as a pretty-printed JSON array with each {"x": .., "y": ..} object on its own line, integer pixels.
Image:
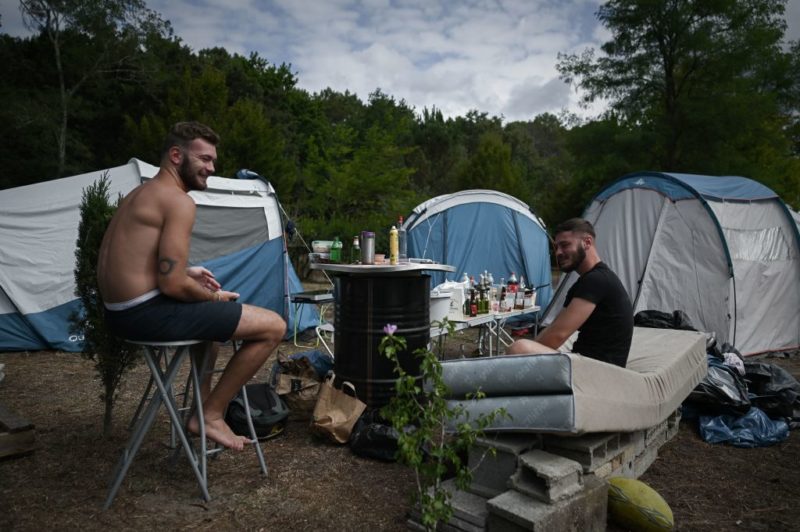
[{"x": 165, "y": 319}]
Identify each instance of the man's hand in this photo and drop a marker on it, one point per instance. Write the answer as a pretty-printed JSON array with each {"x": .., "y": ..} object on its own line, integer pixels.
[
  {"x": 204, "y": 277},
  {"x": 224, "y": 295}
]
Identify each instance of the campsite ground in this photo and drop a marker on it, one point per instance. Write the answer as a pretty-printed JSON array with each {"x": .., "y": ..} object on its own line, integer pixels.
[{"x": 311, "y": 484}]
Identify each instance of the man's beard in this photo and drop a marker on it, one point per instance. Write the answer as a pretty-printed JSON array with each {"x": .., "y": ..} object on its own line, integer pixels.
[
  {"x": 189, "y": 176},
  {"x": 575, "y": 260}
]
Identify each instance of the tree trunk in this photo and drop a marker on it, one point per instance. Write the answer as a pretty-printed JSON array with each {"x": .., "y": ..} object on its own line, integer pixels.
[{"x": 108, "y": 417}]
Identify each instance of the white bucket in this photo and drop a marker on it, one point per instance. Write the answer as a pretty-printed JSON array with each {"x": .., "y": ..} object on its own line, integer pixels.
[{"x": 440, "y": 306}]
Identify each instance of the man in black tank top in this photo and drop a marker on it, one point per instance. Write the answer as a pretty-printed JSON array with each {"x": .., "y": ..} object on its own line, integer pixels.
[{"x": 597, "y": 305}]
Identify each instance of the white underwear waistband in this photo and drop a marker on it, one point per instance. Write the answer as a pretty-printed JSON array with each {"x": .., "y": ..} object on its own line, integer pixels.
[{"x": 124, "y": 305}]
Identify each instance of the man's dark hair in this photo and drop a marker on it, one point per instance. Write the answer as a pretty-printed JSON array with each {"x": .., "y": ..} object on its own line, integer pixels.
[
  {"x": 575, "y": 225},
  {"x": 183, "y": 133}
]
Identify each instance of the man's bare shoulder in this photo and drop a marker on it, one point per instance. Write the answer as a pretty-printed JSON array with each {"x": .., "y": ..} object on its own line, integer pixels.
[{"x": 164, "y": 196}]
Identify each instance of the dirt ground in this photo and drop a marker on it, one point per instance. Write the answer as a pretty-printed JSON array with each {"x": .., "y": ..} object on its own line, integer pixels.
[{"x": 311, "y": 484}]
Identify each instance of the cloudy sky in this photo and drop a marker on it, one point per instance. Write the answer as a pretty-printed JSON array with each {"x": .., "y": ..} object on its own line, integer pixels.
[{"x": 496, "y": 56}]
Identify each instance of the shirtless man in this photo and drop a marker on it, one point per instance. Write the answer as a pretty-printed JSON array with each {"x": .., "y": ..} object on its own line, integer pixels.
[
  {"x": 597, "y": 305},
  {"x": 150, "y": 293}
]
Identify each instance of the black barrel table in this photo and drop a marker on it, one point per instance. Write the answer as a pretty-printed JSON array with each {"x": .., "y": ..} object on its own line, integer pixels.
[{"x": 366, "y": 299}]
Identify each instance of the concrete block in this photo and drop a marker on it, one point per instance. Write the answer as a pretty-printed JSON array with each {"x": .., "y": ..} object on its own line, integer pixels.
[
  {"x": 591, "y": 450},
  {"x": 673, "y": 425},
  {"x": 644, "y": 461},
  {"x": 469, "y": 511},
  {"x": 490, "y": 474},
  {"x": 585, "y": 511},
  {"x": 634, "y": 441},
  {"x": 547, "y": 477},
  {"x": 654, "y": 436}
]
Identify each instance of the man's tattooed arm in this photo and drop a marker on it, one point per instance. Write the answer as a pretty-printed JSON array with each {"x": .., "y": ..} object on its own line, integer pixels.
[{"x": 166, "y": 265}]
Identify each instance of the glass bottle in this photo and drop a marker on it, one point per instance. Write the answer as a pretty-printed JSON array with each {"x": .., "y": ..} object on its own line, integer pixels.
[
  {"x": 336, "y": 250},
  {"x": 355, "y": 251},
  {"x": 402, "y": 242}
]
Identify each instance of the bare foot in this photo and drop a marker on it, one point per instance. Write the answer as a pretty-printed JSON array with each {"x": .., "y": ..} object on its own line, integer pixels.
[{"x": 219, "y": 431}]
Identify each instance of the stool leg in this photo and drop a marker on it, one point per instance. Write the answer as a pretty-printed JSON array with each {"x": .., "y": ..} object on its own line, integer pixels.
[
  {"x": 163, "y": 381},
  {"x": 253, "y": 435},
  {"x": 198, "y": 409},
  {"x": 160, "y": 355},
  {"x": 176, "y": 420}
]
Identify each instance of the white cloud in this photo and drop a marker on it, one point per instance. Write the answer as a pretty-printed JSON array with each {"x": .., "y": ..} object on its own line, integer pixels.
[{"x": 496, "y": 56}]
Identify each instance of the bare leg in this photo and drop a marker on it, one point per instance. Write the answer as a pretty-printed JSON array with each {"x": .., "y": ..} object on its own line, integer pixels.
[
  {"x": 207, "y": 352},
  {"x": 529, "y": 347},
  {"x": 262, "y": 330}
]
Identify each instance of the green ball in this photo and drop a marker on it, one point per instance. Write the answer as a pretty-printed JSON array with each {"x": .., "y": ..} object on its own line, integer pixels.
[{"x": 637, "y": 506}]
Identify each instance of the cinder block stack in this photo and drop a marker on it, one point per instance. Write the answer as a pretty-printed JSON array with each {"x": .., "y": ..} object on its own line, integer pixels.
[{"x": 548, "y": 482}]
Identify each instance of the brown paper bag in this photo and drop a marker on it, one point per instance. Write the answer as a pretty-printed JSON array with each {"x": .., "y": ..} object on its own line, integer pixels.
[
  {"x": 299, "y": 385},
  {"x": 336, "y": 411},
  {"x": 300, "y": 394}
]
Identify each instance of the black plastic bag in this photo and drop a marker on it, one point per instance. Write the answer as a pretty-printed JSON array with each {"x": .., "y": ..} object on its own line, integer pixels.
[
  {"x": 773, "y": 389},
  {"x": 753, "y": 429},
  {"x": 722, "y": 391},
  {"x": 655, "y": 319},
  {"x": 373, "y": 437}
]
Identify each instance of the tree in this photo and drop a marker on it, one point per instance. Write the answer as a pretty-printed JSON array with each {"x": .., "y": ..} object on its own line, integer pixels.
[
  {"x": 707, "y": 79},
  {"x": 109, "y": 31},
  {"x": 112, "y": 356}
]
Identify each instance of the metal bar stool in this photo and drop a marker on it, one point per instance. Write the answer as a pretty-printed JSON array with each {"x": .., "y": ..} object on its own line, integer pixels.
[{"x": 156, "y": 354}]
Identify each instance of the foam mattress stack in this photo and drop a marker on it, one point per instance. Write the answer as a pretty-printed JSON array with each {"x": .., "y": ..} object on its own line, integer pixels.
[{"x": 572, "y": 394}]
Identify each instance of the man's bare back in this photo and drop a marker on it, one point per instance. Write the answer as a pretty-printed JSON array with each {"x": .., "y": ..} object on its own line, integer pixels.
[
  {"x": 128, "y": 259},
  {"x": 145, "y": 252}
]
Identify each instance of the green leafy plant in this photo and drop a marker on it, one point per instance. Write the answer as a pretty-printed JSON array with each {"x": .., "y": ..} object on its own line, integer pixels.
[
  {"x": 112, "y": 356},
  {"x": 433, "y": 437}
]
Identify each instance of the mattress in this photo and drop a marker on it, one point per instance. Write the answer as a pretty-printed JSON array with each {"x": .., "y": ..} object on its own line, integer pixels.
[{"x": 568, "y": 393}]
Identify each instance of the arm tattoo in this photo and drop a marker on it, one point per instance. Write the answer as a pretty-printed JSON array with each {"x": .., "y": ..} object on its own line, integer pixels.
[{"x": 165, "y": 266}]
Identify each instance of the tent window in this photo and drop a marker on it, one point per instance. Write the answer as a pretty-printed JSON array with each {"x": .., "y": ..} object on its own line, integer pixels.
[
  {"x": 757, "y": 244},
  {"x": 224, "y": 230}
]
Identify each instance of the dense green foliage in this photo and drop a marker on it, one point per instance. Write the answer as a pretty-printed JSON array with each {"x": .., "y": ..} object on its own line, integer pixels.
[
  {"x": 692, "y": 86},
  {"x": 112, "y": 356},
  {"x": 698, "y": 87}
]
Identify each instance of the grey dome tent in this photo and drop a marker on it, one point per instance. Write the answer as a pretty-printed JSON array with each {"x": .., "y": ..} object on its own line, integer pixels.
[
  {"x": 238, "y": 234},
  {"x": 722, "y": 249},
  {"x": 477, "y": 230}
]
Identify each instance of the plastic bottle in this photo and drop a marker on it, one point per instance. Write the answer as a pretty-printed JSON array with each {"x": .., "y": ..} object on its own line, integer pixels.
[
  {"x": 394, "y": 250},
  {"x": 402, "y": 242},
  {"x": 336, "y": 250},
  {"x": 355, "y": 251}
]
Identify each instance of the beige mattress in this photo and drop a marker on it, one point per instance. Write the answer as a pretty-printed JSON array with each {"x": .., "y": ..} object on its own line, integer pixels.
[{"x": 568, "y": 393}]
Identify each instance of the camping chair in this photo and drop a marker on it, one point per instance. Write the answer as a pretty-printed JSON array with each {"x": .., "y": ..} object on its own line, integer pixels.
[
  {"x": 322, "y": 298},
  {"x": 156, "y": 354},
  {"x": 325, "y": 336}
]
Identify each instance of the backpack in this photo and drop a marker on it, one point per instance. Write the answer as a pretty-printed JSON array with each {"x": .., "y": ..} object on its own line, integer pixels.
[{"x": 267, "y": 410}]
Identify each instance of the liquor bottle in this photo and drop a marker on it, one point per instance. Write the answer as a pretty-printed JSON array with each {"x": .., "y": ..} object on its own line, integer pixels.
[
  {"x": 402, "y": 242},
  {"x": 519, "y": 299},
  {"x": 512, "y": 282},
  {"x": 394, "y": 250},
  {"x": 473, "y": 304},
  {"x": 503, "y": 305},
  {"x": 336, "y": 250},
  {"x": 355, "y": 251}
]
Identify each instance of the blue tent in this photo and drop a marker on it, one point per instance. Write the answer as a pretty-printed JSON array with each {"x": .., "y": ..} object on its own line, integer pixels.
[
  {"x": 478, "y": 230},
  {"x": 723, "y": 249},
  {"x": 238, "y": 235}
]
